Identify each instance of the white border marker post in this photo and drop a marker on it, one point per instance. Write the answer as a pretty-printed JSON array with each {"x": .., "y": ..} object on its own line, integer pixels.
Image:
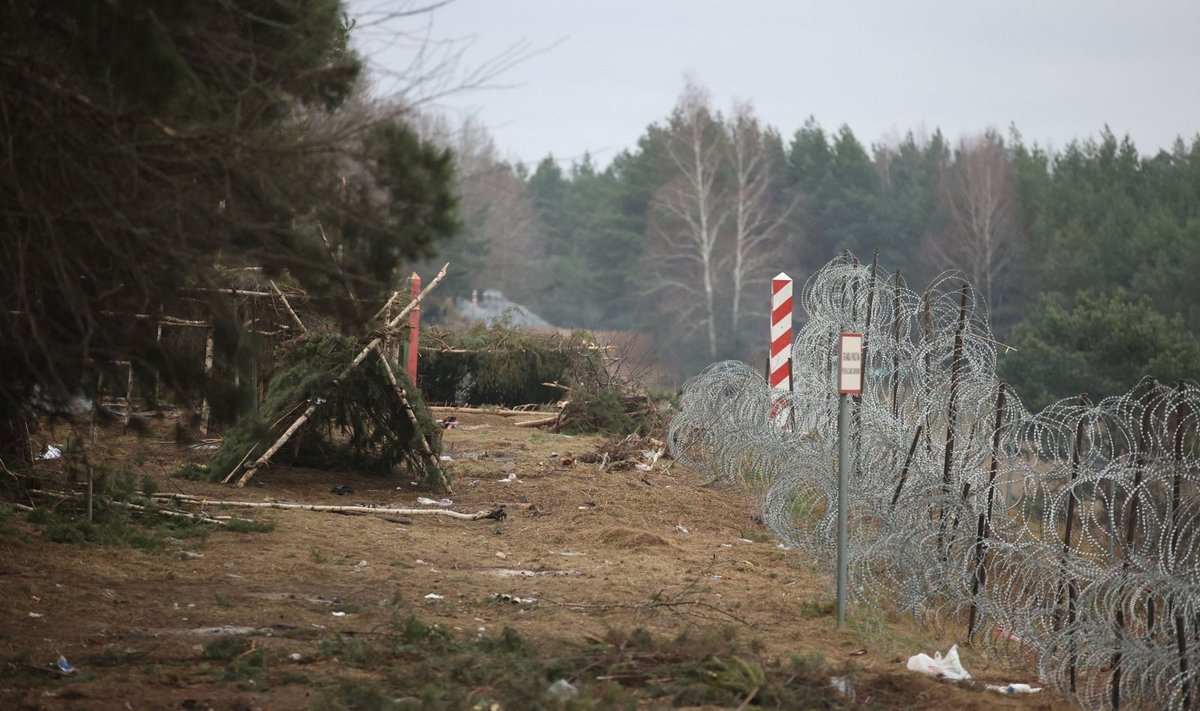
[
  {"x": 779, "y": 370},
  {"x": 850, "y": 382}
]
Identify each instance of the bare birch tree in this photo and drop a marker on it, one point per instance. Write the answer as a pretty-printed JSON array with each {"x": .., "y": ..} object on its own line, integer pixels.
[
  {"x": 759, "y": 213},
  {"x": 689, "y": 212},
  {"x": 983, "y": 235}
]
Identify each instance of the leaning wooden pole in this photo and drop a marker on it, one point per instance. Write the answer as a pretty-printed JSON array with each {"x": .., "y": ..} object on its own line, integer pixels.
[
  {"x": 266, "y": 456},
  {"x": 287, "y": 305},
  {"x": 1131, "y": 521},
  {"x": 431, "y": 460},
  {"x": 985, "y": 519},
  {"x": 1066, "y": 585},
  {"x": 1177, "y": 456}
]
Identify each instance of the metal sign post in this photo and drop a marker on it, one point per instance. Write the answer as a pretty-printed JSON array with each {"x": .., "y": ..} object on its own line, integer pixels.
[{"x": 850, "y": 380}]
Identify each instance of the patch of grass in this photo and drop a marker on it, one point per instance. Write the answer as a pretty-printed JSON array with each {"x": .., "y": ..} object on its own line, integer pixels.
[
  {"x": 113, "y": 525},
  {"x": 354, "y": 651},
  {"x": 108, "y": 658},
  {"x": 221, "y": 600},
  {"x": 241, "y": 662},
  {"x": 427, "y": 667},
  {"x": 356, "y": 695},
  {"x": 290, "y": 678},
  {"x": 249, "y": 525},
  {"x": 225, "y": 648},
  {"x": 810, "y": 610},
  {"x": 509, "y": 641},
  {"x": 756, "y": 536}
]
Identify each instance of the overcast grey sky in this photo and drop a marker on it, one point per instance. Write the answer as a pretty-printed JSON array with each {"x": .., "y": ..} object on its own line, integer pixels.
[{"x": 1057, "y": 69}]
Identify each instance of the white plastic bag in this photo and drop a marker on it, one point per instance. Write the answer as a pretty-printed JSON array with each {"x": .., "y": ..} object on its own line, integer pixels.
[{"x": 947, "y": 667}]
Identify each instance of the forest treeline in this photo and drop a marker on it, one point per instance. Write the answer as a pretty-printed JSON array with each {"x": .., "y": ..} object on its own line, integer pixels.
[
  {"x": 1087, "y": 255},
  {"x": 148, "y": 153}
]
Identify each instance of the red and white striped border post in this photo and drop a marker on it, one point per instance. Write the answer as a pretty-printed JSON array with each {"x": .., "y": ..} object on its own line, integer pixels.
[{"x": 779, "y": 369}]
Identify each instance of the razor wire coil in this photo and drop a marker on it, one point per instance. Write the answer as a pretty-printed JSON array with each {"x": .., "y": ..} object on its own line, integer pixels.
[{"x": 1070, "y": 536}]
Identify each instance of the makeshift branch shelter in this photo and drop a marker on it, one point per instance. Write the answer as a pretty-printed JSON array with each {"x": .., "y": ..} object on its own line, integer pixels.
[{"x": 338, "y": 403}]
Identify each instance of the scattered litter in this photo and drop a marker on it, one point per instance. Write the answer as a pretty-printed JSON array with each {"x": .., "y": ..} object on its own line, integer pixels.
[
  {"x": 51, "y": 452},
  {"x": 425, "y": 501},
  {"x": 511, "y": 573},
  {"x": 569, "y": 554},
  {"x": 727, "y": 545},
  {"x": 562, "y": 690},
  {"x": 512, "y": 476},
  {"x": 445, "y": 458},
  {"x": 501, "y": 555},
  {"x": 64, "y": 666},
  {"x": 681, "y": 528},
  {"x": 859, "y": 652},
  {"x": 842, "y": 684},
  {"x": 359, "y": 566},
  {"x": 188, "y": 555},
  {"x": 714, "y": 577},
  {"x": 450, "y": 422},
  {"x": 745, "y": 540},
  {"x": 341, "y": 490},
  {"x": 204, "y": 447},
  {"x": 225, "y": 630},
  {"x": 295, "y": 656},
  {"x": 435, "y": 596},
  {"x": 1015, "y": 689},
  {"x": 36, "y": 614},
  {"x": 421, "y": 562},
  {"x": 947, "y": 667},
  {"x": 782, "y": 547},
  {"x": 505, "y": 597},
  {"x": 642, "y": 467},
  {"x": 338, "y": 613}
]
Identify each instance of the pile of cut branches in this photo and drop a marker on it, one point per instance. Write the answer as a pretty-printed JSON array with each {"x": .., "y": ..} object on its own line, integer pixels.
[
  {"x": 500, "y": 365},
  {"x": 611, "y": 410}
]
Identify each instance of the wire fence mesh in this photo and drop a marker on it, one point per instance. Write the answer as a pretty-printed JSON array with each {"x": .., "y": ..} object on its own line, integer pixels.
[{"x": 1068, "y": 537}]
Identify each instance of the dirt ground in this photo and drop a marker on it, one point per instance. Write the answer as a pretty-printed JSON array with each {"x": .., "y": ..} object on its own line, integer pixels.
[{"x": 584, "y": 555}]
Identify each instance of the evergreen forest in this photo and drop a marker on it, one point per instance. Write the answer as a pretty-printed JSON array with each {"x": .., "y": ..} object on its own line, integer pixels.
[{"x": 1086, "y": 254}]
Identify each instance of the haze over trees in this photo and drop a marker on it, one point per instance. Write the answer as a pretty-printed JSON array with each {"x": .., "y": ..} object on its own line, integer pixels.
[
  {"x": 145, "y": 146},
  {"x": 1085, "y": 254}
]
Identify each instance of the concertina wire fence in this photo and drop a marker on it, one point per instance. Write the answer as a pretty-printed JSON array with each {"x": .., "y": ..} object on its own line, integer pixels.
[{"x": 1070, "y": 536}]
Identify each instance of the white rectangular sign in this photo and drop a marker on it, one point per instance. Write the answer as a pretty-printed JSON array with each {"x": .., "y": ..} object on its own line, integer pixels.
[{"x": 850, "y": 364}]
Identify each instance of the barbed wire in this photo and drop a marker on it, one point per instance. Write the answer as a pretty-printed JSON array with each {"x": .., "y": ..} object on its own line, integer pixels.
[{"x": 1070, "y": 536}]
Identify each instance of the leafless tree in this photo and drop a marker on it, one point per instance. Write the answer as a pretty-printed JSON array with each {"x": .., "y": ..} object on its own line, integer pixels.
[
  {"x": 689, "y": 212},
  {"x": 759, "y": 211},
  {"x": 495, "y": 205},
  {"x": 983, "y": 236}
]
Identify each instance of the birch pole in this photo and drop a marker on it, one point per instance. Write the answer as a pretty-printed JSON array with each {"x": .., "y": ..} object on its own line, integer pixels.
[
  {"x": 398, "y": 318},
  {"x": 287, "y": 305},
  {"x": 431, "y": 460},
  {"x": 205, "y": 408}
]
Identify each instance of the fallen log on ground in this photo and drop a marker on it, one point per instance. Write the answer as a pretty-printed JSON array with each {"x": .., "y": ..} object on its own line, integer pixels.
[
  {"x": 481, "y": 411},
  {"x": 496, "y": 514},
  {"x": 538, "y": 422}
]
